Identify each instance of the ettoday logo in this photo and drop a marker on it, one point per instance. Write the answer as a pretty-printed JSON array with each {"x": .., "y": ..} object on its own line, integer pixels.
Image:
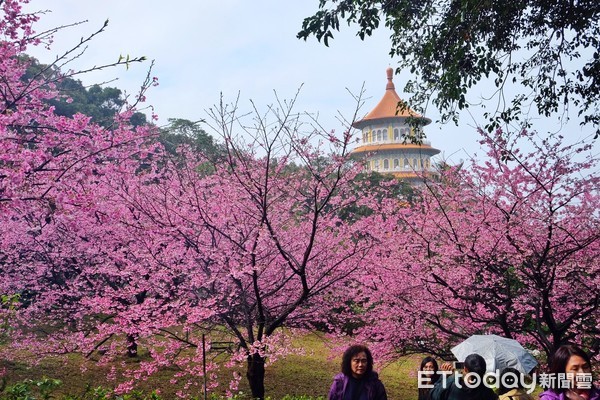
[{"x": 508, "y": 380}]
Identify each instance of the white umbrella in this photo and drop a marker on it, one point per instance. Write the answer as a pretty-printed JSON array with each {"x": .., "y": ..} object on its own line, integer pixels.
[{"x": 497, "y": 351}]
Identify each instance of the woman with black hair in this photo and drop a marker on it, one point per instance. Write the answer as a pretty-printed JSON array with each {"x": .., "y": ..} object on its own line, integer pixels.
[
  {"x": 571, "y": 373},
  {"x": 357, "y": 381},
  {"x": 428, "y": 375}
]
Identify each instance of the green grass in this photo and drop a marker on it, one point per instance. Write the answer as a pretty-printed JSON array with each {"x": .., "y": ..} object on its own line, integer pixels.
[{"x": 296, "y": 375}]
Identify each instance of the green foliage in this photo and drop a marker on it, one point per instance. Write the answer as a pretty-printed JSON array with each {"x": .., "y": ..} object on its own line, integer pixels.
[
  {"x": 136, "y": 395},
  {"x": 98, "y": 102},
  {"x": 8, "y": 304},
  {"x": 91, "y": 393},
  {"x": 41, "y": 389},
  {"x": 185, "y": 132},
  {"x": 551, "y": 48},
  {"x": 237, "y": 396},
  {"x": 46, "y": 388}
]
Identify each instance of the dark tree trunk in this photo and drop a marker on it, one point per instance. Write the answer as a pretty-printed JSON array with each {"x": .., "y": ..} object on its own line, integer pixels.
[
  {"x": 132, "y": 347},
  {"x": 256, "y": 376}
]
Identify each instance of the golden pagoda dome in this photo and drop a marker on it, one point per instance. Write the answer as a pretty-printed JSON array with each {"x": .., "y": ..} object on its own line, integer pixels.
[{"x": 390, "y": 106}]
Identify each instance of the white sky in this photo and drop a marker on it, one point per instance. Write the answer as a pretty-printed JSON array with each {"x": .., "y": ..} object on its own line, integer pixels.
[{"x": 204, "y": 48}]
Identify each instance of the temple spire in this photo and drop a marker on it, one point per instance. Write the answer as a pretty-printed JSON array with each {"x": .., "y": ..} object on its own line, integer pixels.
[{"x": 390, "y": 77}]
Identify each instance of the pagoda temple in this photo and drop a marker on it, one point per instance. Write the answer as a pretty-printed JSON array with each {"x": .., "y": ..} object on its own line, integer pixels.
[{"x": 386, "y": 132}]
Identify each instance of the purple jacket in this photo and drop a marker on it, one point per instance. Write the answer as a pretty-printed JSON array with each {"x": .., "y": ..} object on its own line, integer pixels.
[
  {"x": 373, "y": 386},
  {"x": 552, "y": 395}
]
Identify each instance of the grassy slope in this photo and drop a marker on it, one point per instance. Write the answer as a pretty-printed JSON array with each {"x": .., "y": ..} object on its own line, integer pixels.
[{"x": 309, "y": 374}]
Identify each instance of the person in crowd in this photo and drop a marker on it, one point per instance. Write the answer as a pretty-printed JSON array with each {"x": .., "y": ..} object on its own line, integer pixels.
[
  {"x": 467, "y": 384},
  {"x": 357, "y": 381},
  {"x": 428, "y": 376},
  {"x": 510, "y": 386},
  {"x": 570, "y": 375}
]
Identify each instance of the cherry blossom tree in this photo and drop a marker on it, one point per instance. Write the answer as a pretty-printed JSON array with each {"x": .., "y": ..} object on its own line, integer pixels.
[
  {"x": 507, "y": 246},
  {"x": 257, "y": 243},
  {"x": 50, "y": 173}
]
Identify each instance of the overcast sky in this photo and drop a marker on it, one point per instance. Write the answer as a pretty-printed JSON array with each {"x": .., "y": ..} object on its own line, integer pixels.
[{"x": 203, "y": 48}]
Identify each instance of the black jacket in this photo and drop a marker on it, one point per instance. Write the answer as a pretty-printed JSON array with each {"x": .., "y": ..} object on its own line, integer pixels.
[{"x": 456, "y": 389}]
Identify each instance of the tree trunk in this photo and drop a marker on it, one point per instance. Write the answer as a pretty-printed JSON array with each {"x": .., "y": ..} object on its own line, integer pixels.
[
  {"x": 256, "y": 376},
  {"x": 132, "y": 347}
]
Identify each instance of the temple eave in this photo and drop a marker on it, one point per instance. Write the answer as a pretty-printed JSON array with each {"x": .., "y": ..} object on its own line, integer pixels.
[{"x": 425, "y": 149}]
